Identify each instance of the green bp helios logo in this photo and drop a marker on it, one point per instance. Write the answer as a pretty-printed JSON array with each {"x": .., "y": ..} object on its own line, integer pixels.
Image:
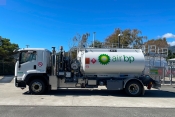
[{"x": 104, "y": 59}]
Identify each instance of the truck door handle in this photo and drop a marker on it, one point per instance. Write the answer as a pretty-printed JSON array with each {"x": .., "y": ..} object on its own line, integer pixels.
[{"x": 34, "y": 67}]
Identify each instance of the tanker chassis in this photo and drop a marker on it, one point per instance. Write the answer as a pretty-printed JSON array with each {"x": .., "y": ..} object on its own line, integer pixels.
[{"x": 116, "y": 69}]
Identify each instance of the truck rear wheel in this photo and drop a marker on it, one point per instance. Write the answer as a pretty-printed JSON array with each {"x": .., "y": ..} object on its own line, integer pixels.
[
  {"x": 37, "y": 87},
  {"x": 133, "y": 88}
]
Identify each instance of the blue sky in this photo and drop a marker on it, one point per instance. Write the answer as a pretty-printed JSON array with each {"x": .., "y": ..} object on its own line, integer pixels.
[{"x": 47, "y": 23}]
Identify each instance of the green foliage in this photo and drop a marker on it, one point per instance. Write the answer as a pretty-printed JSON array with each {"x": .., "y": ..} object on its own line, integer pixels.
[
  {"x": 7, "y": 68},
  {"x": 96, "y": 44},
  {"x": 83, "y": 41},
  {"x": 6, "y": 49},
  {"x": 0, "y": 41},
  {"x": 170, "y": 54},
  {"x": 74, "y": 54},
  {"x": 159, "y": 43},
  {"x": 80, "y": 41},
  {"x": 129, "y": 37}
]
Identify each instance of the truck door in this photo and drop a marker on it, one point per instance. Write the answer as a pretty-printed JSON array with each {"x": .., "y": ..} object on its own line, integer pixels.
[
  {"x": 41, "y": 62},
  {"x": 27, "y": 64}
]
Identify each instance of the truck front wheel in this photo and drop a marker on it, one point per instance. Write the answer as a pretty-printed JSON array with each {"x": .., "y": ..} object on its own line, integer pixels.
[
  {"x": 37, "y": 87},
  {"x": 133, "y": 88}
]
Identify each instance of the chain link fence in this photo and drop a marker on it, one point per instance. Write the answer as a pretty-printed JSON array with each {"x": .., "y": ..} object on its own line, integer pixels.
[
  {"x": 169, "y": 77},
  {"x": 7, "y": 68},
  {"x": 165, "y": 74}
]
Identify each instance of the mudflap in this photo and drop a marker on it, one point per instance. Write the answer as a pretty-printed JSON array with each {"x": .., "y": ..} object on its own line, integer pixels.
[
  {"x": 143, "y": 91},
  {"x": 156, "y": 84},
  {"x": 150, "y": 82}
]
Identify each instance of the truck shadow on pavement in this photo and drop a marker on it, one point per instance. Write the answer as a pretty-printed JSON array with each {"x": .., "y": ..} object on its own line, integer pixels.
[
  {"x": 168, "y": 82},
  {"x": 77, "y": 92},
  {"x": 6, "y": 79}
]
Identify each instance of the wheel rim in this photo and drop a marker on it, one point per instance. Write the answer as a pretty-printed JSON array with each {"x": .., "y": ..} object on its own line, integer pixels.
[
  {"x": 36, "y": 87},
  {"x": 133, "y": 89}
]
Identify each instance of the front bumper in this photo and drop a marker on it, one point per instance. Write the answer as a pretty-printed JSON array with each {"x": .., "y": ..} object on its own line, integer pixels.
[{"x": 20, "y": 84}]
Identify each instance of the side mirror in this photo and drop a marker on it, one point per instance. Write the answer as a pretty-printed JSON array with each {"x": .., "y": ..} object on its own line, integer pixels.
[{"x": 14, "y": 50}]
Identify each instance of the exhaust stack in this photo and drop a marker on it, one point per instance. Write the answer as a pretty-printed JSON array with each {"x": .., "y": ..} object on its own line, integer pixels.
[
  {"x": 53, "y": 62},
  {"x": 61, "y": 67}
]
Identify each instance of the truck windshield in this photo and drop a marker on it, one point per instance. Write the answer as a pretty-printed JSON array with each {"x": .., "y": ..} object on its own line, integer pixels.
[{"x": 26, "y": 56}]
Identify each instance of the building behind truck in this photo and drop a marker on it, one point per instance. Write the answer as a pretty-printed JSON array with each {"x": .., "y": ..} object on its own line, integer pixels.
[{"x": 115, "y": 68}]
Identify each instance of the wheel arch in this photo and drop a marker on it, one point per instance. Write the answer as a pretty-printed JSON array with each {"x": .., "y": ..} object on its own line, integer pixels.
[
  {"x": 134, "y": 79},
  {"x": 34, "y": 76}
]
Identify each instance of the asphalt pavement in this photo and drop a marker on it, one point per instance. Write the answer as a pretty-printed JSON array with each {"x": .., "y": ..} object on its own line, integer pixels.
[
  {"x": 43, "y": 111},
  {"x": 11, "y": 95},
  {"x": 15, "y": 102}
]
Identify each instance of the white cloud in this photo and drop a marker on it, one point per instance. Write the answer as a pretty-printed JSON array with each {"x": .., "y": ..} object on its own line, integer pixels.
[
  {"x": 172, "y": 43},
  {"x": 169, "y": 35},
  {"x": 158, "y": 36}
]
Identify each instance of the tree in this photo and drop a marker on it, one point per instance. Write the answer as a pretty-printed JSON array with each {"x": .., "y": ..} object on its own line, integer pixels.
[
  {"x": 129, "y": 37},
  {"x": 113, "y": 38},
  {"x": 136, "y": 38},
  {"x": 78, "y": 41},
  {"x": 0, "y": 40},
  {"x": 96, "y": 44},
  {"x": 75, "y": 41},
  {"x": 6, "y": 49},
  {"x": 170, "y": 55},
  {"x": 83, "y": 41},
  {"x": 159, "y": 43}
]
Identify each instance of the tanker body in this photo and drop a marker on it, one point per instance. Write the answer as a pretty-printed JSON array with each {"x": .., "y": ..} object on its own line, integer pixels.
[
  {"x": 116, "y": 69},
  {"x": 107, "y": 61}
]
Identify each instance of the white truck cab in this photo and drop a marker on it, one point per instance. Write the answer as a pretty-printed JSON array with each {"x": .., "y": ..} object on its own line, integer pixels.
[{"x": 31, "y": 62}]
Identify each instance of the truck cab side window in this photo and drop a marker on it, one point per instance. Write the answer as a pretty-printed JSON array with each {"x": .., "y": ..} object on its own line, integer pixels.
[{"x": 26, "y": 56}]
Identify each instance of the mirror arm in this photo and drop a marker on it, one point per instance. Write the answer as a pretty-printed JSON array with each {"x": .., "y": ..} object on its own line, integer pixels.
[{"x": 19, "y": 66}]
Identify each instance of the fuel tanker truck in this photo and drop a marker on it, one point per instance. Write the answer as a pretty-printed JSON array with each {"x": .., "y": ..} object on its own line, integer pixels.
[{"x": 116, "y": 69}]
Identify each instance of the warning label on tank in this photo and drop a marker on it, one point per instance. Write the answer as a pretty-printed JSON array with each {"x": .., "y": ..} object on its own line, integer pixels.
[
  {"x": 93, "y": 60},
  {"x": 87, "y": 60}
]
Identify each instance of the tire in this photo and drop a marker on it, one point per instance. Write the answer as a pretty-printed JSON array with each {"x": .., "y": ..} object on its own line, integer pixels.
[
  {"x": 37, "y": 87},
  {"x": 133, "y": 88}
]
